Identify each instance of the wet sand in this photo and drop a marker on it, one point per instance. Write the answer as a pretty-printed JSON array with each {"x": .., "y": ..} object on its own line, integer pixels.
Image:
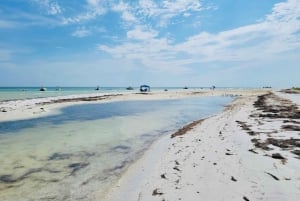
[{"x": 250, "y": 151}]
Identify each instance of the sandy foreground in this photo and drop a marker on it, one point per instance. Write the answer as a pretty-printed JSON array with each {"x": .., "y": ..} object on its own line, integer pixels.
[{"x": 251, "y": 151}]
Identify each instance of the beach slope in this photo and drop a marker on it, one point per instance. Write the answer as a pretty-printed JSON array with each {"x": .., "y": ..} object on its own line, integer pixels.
[{"x": 250, "y": 151}]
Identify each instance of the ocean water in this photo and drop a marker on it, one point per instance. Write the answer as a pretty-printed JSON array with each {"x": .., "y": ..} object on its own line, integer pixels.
[
  {"x": 80, "y": 152},
  {"x": 16, "y": 93}
]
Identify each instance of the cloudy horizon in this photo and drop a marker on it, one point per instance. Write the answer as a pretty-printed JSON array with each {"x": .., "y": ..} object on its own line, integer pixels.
[{"x": 161, "y": 43}]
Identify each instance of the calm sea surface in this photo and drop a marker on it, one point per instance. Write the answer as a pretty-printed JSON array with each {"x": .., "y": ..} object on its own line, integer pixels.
[
  {"x": 16, "y": 93},
  {"x": 83, "y": 150}
]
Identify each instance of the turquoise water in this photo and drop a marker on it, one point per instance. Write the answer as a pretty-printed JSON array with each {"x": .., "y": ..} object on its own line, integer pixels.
[
  {"x": 80, "y": 152},
  {"x": 16, "y": 93}
]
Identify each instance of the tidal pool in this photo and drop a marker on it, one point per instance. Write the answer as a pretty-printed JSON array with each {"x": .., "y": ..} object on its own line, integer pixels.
[{"x": 79, "y": 153}]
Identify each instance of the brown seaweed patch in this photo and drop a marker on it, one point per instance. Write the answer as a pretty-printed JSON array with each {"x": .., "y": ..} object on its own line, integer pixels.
[
  {"x": 291, "y": 127},
  {"x": 246, "y": 128},
  {"x": 244, "y": 125},
  {"x": 296, "y": 151},
  {"x": 277, "y": 156},
  {"x": 289, "y": 144},
  {"x": 281, "y": 115},
  {"x": 284, "y": 108},
  {"x": 290, "y": 91},
  {"x": 291, "y": 121},
  {"x": 280, "y": 157},
  {"x": 253, "y": 151},
  {"x": 261, "y": 145},
  {"x": 284, "y": 143},
  {"x": 186, "y": 128},
  {"x": 91, "y": 98}
]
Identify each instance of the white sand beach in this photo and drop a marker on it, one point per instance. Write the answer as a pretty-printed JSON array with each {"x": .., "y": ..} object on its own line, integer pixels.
[
  {"x": 148, "y": 100},
  {"x": 250, "y": 151},
  {"x": 235, "y": 155}
]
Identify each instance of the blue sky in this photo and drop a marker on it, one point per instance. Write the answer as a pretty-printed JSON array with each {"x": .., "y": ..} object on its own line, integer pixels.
[{"x": 161, "y": 43}]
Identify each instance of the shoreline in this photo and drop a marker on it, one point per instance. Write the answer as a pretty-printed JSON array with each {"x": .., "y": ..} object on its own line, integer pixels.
[
  {"x": 39, "y": 107},
  {"x": 224, "y": 157},
  {"x": 249, "y": 151}
]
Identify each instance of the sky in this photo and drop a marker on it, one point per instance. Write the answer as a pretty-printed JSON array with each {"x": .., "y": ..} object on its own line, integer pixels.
[{"x": 229, "y": 43}]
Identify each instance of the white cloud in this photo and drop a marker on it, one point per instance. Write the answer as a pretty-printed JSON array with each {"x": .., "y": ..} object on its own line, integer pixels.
[
  {"x": 80, "y": 18},
  {"x": 81, "y": 32},
  {"x": 97, "y": 6},
  {"x": 125, "y": 11},
  {"x": 154, "y": 54},
  {"x": 186, "y": 14},
  {"x": 141, "y": 33},
  {"x": 17, "y": 18},
  {"x": 94, "y": 9},
  {"x": 149, "y": 7},
  {"x": 181, "y": 6},
  {"x": 277, "y": 34},
  {"x": 54, "y": 8},
  {"x": 168, "y": 9},
  {"x": 93, "y": 3},
  {"x": 28, "y": 19},
  {"x": 153, "y": 48},
  {"x": 23, "y": 19},
  {"x": 50, "y": 6}
]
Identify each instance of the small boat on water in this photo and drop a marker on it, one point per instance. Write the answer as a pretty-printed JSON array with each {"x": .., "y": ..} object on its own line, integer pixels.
[
  {"x": 43, "y": 89},
  {"x": 97, "y": 88},
  {"x": 129, "y": 88},
  {"x": 185, "y": 87}
]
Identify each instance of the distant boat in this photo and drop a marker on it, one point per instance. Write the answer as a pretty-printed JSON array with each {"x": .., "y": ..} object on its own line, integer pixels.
[
  {"x": 129, "y": 88},
  {"x": 43, "y": 89},
  {"x": 97, "y": 88},
  {"x": 185, "y": 87}
]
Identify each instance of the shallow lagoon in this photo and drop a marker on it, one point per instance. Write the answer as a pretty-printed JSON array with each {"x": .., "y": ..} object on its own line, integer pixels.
[{"x": 80, "y": 152}]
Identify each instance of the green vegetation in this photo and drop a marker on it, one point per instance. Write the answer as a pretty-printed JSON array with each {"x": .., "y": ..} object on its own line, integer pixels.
[{"x": 296, "y": 88}]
